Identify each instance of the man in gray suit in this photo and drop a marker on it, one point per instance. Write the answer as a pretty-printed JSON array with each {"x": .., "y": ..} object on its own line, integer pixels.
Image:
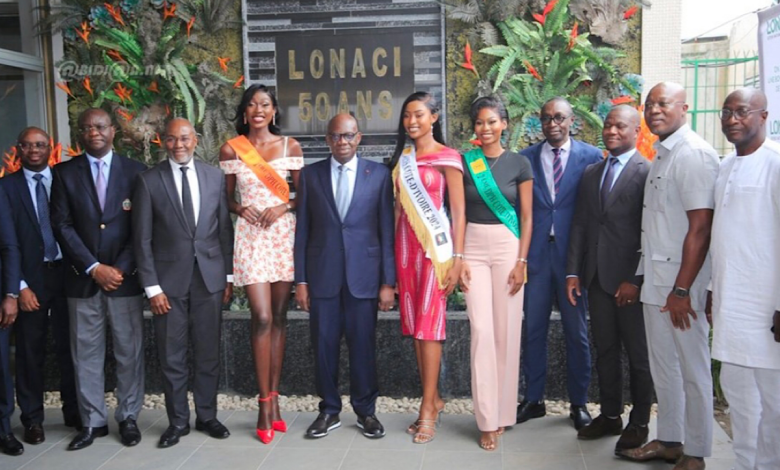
[
  {"x": 604, "y": 251},
  {"x": 183, "y": 240}
]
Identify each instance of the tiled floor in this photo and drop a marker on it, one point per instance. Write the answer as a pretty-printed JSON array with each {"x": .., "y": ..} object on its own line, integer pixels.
[{"x": 543, "y": 444}]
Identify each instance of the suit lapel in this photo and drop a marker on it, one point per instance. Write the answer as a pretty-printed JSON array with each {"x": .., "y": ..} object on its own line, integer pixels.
[
  {"x": 361, "y": 183},
  {"x": 571, "y": 164},
  {"x": 166, "y": 175},
  {"x": 204, "y": 187},
  {"x": 632, "y": 166},
  {"x": 115, "y": 187},
  {"x": 539, "y": 173},
  {"x": 87, "y": 181},
  {"x": 327, "y": 185},
  {"x": 20, "y": 180}
]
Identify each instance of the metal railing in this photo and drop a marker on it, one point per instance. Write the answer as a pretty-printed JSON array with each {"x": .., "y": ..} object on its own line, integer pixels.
[{"x": 708, "y": 81}]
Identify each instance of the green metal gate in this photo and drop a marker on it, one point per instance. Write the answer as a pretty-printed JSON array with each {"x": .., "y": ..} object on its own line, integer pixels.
[{"x": 708, "y": 82}]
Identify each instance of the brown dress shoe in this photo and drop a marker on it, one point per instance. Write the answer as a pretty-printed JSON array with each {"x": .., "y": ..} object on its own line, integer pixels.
[
  {"x": 600, "y": 427},
  {"x": 33, "y": 434},
  {"x": 689, "y": 463},
  {"x": 633, "y": 436},
  {"x": 652, "y": 451}
]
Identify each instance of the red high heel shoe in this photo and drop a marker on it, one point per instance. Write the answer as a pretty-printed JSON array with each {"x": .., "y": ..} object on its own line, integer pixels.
[
  {"x": 280, "y": 425},
  {"x": 265, "y": 435}
]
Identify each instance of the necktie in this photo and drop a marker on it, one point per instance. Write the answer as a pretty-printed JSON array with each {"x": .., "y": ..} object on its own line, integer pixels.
[
  {"x": 606, "y": 186},
  {"x": 100, "y": 184},
  {"x": 186, "y": 199},
  {"x": 342, "y": 192},
  {"x": 557, "y": 170},
  {"x": 42, "y": 200}
]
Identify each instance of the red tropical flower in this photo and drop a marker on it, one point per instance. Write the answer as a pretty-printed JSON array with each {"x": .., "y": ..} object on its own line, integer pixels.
[
  {"x": 115, "y": 55},
  {"x": 74, "y": 152},
  {"x": 630, "y": 12},
  {"x": 157, "y": 140},
  {"x": 468, "y": 64},
  {"x": 572, "y": 36},
  {"x": 169, "y": 12},
  {"x": 83, "y": 33},
  {"x": 87, "y": 86},
  {"x": 124, "y": 94},
  {"x": 126, "y": 115},
  {"x": 532, "y": 70},
  {"x": 622, "y": 100},
  {"x": 189, "y": 26},
  {"x": 64, "y": 87},
  {"x": 549, "y": 7},
  {"x": 115, "y": 13},
  {"x": 239, "y": 82},
  {"x": 153, "y": 87},
  {"x": 223, "y": 61},
  {"x": 56, "y": 153},
  {"x": 539, "y": 18}
]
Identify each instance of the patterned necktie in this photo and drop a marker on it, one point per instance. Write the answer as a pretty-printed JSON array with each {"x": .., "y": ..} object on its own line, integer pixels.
[
  {"x": 42, "y": 201},
  {"x": 606, "y": 186},
  {"x": 342, "y": 192},
  {"x": 100, "y": 184},
  {"x": 186, "y": 199},
  {"x": 557, "y": 170}
]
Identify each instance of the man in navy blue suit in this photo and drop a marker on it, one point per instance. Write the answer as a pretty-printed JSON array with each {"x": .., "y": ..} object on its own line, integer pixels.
[
  {"x": 10, "y": 272},
  {"x": 558, "y": 163},
  {"x": 42, "y": 299},
  {"x": 344, "y": 269}
]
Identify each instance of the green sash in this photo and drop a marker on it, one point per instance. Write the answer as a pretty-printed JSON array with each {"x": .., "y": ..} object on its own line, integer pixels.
[{"x": 488, "y": 189}]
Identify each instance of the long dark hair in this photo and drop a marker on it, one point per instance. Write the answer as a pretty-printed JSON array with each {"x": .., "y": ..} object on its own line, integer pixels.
[
  {"x": 242, "y": 128},
  {"x": 433, "y": 107}
]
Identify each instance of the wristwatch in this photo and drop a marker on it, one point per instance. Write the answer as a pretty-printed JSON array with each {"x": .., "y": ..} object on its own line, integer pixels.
[
  {"x": 288, "y": 206},
  {"x": 680, "y": 292},
  {"x": 13, "y": 296}
]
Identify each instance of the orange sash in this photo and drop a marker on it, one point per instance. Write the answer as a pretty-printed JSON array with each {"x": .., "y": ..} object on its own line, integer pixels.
[{"x": 264, "y": 172}]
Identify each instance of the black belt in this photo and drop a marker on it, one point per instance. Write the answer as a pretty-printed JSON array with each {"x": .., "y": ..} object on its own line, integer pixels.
[
  {"x": 52, "y": 264},
  {"x": 551, "y": 239}
]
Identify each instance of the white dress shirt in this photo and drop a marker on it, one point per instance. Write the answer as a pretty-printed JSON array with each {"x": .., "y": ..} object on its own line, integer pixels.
[{"x": 350, "y": 169}]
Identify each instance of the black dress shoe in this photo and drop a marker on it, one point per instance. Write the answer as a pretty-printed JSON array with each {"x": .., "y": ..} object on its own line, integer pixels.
[
  {"x": 633, "y": 436},
  {"x": 530, "y": 410},
  {"x": 213, "y": 428},
  {"x": 33, "y": 434},
  {"x": 371, "y": 426},
  {"x": 323, "y": 425},
  {"x": 10, "y": 446},
  {"x": 171, "y": 435},
  {"x": 130, "y": 433},
  {"x": 86, "y": 437},
  {"x": 600, "y": 427},
  {"x": 73, "y": 421},
  {"x": 579, "y": 414}
]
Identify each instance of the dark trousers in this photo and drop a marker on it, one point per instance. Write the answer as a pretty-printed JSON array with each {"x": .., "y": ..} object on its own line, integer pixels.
[
  {"x": 546, "y": 281},
  {"x": 196, "y": 317},
  {"x": 31, "y": 330},
  {"x": 613, "y": 326},
  {"x": 6, "y": 382},
  {"x": 356, "y": 319}
]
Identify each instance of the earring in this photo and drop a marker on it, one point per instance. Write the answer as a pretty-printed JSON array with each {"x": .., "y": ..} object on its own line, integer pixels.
[
  {"x": 244, "y": 118},
  {"x": 273, "y": 119}
]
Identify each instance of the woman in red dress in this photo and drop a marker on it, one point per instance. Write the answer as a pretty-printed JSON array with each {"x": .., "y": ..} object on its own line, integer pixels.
[{"x": 428, "y": 253}]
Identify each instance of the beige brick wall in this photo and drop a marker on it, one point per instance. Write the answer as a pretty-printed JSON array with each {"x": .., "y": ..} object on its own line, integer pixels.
[{"x": 661, "y": 45}]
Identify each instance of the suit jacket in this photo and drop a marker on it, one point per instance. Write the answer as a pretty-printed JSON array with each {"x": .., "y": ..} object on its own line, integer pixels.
[
  {"x": 88, "y": 235},
  {"x": 357, "y": 252},
  {"x": 607, "y": 239},
  {"x": 165, "y": 247},
  {"x": 10, "y": 257},
  {"x": 28, "y": 229},
  {"x": 559, "y": 213}
]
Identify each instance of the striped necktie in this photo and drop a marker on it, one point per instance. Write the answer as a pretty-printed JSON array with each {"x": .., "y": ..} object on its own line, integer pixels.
[{"x": 557, "y": 170}]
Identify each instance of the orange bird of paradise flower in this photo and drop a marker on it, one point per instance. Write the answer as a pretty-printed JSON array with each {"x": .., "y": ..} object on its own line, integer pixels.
[
  {"x": 167, "y": 110},
  {"x": 115, "y": 14},
  {"x": 468, "y": 65},
  {"x": 83, "y": 33},
  {"x": 74, "y": 152},
  {"x": 572, "y": 37},
  {"x": 64, "y": 87},
  {"x": 115, "y": 55},
  {"x": 88, "y": 86},
  {"x": 223, "y": 61},
  {"x": 2, "y": 172},
  {"x": 239, "y": 82},
  {"x": 11, "y": 163},
  {"x": 127, "y": 116},
  {"x": 124, "y": 94},
  {"x": 532, "y": 70},
  {"x": 622, "y": 100},
  {"x": 56, "y": 154},
  {"x": 157, "y": 140},
  {"x": 189, "y": 26},
  {"x": 153, "y": 87},
  {"x": 169, "y": 12},
  {"x": 549, "y": 7},
  {"x": 539, "y": 18},
  {"x": 630, "y": 12}
]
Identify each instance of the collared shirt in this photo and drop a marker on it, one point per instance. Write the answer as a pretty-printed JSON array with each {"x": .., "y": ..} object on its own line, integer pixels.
[
  {"x": 745, "y": 251},
  {"x": 547, "y": 156},
  {"x": 681, "y": 179},
  {"x": 622, "y": 159},
  {"x": 351, "y": 173},
  {"x": 107, "y": 159},
  {"x": 31, "y": 185}
]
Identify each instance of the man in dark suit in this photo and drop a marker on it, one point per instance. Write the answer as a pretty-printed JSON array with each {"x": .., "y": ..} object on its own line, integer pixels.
[
  {"x": 558, "y": 163},
  {"x": 344, "y": 261},
  {"x": 183, "y": 239},
  {"x": 90, "y": 214},
  {"x": 41, "y": 290},
  {"x": 10, "y": 273},
  {"x": 604, "y": 252}
]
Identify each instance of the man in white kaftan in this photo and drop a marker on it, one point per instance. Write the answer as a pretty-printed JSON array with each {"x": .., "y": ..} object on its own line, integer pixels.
[{"x": 745, "y": 251}]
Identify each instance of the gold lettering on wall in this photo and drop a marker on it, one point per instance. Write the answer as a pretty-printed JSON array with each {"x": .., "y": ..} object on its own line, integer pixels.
[
  {"x": 363, "y": 108},
  {"x": 294, "y": 74},
  {"x": 317, "y": 63},
  {"x": 396, "y": 61},
  {"x": 343, "y": 103},
  {"x": 385, "y": 100},
  {"x": 304, "y": 107},
  {"x": 358, "y": 65},
  {"x": 338, "y": 63},
  {"x": 379, "y": 71},
  {"x": 322, "y": 106}
]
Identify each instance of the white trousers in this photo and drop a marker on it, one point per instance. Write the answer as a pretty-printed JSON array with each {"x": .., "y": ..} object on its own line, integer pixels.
[
  {"x": 680, "y": 365},
  {"x": 754, "y": 405}
]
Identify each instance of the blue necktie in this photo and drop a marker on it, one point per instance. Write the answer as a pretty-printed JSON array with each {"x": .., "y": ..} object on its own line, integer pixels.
[
  {"x": 557, "y": 170},
  {"x": 49, "y": 244},
  {"x": 342, "y": 192},
  {"x": 606, "y": 186}
]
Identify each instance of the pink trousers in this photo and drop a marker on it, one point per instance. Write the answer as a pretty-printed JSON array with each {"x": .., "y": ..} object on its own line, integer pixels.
[{"x": 496, "y": 322}]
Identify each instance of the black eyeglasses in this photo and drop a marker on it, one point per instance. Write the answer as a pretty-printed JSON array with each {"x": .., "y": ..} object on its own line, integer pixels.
[
  {"x": 740, "y": 114},
  {"x": 349, "y": 136},
  {"x": 558, "y": 118},
  {"x": 30, "y": 145},
  {"x": 87, "y": 129}
]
